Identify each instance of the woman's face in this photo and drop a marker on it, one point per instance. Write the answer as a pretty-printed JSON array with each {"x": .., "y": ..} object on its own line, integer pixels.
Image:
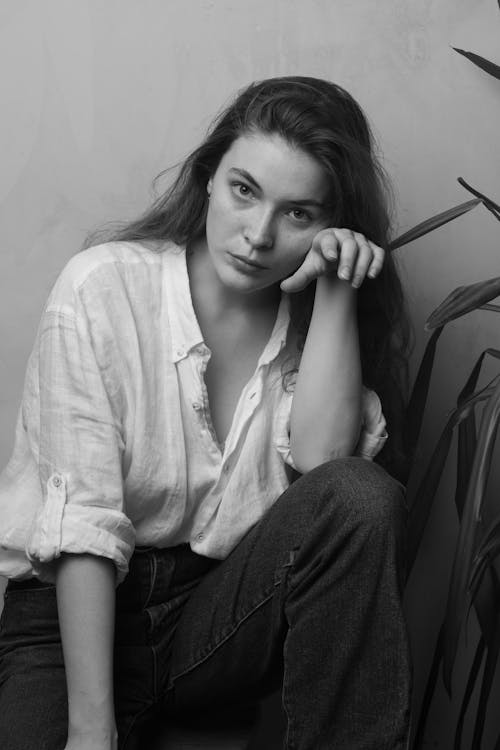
[{"x": 267, "y": 203}]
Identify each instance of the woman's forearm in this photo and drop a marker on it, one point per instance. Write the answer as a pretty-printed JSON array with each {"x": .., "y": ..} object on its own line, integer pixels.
[
  {"x": 326, "y": 407},
  {"x": 85, "y": 587}
]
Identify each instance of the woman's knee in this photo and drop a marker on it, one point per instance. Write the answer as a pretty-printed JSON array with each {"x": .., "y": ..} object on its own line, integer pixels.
[{"x": 360, "y": 490}]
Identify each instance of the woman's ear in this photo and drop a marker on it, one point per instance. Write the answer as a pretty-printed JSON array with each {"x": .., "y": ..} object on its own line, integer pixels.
[{"x": 209, "y": 187}]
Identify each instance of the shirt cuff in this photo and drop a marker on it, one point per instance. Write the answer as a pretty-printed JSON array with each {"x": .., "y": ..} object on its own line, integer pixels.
[
  {"x": 65, "y": 527},
  {"x": 373, "y": 434},
  {"x": 282, "y": 441}
]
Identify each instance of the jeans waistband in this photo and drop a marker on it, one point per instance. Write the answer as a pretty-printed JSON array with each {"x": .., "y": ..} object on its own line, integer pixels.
[
  {"x": 27, "y": 583},
  {"x": 187, "y": 564}
]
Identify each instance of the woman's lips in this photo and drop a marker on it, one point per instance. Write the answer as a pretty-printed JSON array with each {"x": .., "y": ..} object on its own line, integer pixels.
[{"x": 250, "y": 264}]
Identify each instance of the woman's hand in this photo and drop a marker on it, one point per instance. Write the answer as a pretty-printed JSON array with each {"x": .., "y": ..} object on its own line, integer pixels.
[{"x": 343, "y": 251}]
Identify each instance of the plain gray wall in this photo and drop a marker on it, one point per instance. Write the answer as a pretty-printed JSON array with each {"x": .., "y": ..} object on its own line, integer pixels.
[{"x": 98, "y": 96}]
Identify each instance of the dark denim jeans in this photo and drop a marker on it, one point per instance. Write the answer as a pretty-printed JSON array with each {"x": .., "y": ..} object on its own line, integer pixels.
[{"x": 309, "y": 601}]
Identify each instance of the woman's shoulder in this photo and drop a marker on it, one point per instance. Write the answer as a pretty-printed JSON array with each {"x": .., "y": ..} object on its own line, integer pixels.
[
  {"x": 86, "y": 262},
  {"x": 99, "y": 267}
]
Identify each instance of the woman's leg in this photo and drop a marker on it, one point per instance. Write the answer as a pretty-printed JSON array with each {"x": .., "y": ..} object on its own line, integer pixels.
[
  {"x": 310, "y": 598},
  {"x": 33, "y": 703},
  {"x": 33, "y": 695}
]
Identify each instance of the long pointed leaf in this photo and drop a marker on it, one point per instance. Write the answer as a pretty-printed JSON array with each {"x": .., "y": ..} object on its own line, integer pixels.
[
  {"x": 484, "y": 590},
  {"x": 429, "y": 225},
  {"x": 430, "y": 688},
  {"x": 416, "y": 406},
  {"x": 481, "y": 565},
  {"x": 421, "y": 504},
  {"x": 467, "y": 432},
  {"x": 470, "y": 383},
  {"x": 486, "y": 601},
  {"x": 486, "y": 597},
  {"x": 458, "y": 592},
  {"x": 488, "y": 675},
  {"x": 481, "y": 62},
  {"x": 469, "y": 689},
  {"x": 462, "y": 300},
  {"x": 493, "y": 308},
  {"x": 491, "y": 534},
  {"x": 487, "y": 202},
  {"x": 466, "y": 447},
  {"x": 488, "y": 549}
]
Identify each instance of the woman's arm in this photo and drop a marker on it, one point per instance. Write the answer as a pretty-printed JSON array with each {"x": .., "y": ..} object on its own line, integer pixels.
[
  {"x": 85, "y": 586},
  {"x": 326, "y": 406},
  {"x": 326, "y": 413}
]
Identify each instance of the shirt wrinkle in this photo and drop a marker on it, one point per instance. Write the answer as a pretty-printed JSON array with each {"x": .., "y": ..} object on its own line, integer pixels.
[{"x": 114, "y": 442}]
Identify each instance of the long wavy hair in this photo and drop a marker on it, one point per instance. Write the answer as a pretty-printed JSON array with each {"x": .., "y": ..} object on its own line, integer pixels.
[{"x": 323, "y": 120}]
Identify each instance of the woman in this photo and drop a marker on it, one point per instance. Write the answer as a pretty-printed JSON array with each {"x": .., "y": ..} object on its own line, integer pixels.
[{"x": 199, "y": 414}]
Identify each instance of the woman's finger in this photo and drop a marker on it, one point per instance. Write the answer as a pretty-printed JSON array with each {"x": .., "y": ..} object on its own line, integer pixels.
[
  {"x": 364, "y": 261},
  {"x": 305, "y": 273},
  {"x": 347, "y": 257},
  {"x": 378, "y": 260},
  {"x": 328, "y": 245}
]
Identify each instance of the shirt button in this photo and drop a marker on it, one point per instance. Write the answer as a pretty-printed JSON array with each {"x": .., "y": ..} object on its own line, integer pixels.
[
  {"x": 200, "y": 537},
  {"x": 180, "y": 352},
  {"x": 196, "y": 405},
  {"x": 56, "y": 481}
]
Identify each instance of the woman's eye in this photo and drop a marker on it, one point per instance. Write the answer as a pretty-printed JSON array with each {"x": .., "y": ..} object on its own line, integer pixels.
[
  {"x": 241, "y": 189},
  {"x": 300, "y": 215}
]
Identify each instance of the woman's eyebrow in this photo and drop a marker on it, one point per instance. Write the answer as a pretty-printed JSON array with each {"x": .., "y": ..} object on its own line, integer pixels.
[
  {"x": 300, "y": 202},
  {"x": 247, "y": 176}
]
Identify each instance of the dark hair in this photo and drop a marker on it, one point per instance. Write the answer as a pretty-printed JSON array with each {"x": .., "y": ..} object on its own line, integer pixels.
[{"x": 323, "y": 120}]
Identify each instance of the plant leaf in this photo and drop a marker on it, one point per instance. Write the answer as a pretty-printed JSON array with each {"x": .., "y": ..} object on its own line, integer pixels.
[
  {"x": 489, "y": 548},
  {"x": 466, "y": 438},
  {"x": 494, "y": 308},
  {"x": 488, "y": 675},
  {"x": 467, "y": 432},
  {"x": 469, "y": 689},
  {"x": 481, "y": 62},
  {"x": 491, "y": 534},
  {"x": 430, "y": 688},
  {"x": 486, "y": 602},
  {"x": 433, "y": 223},
  {"x": 462, "y": 300},
  {"x": 416, "y": 406},
  {"x": 482, "y": 564},
  {"x": 421, "y": 503},
  {"x": 458, "y": 591},
  {"x": 490, "y": 204}
]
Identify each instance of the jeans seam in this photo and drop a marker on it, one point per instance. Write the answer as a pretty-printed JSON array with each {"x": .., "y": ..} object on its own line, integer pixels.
[
  {"x": 212, "y": 650},
  {"x": 153, "y": 566},
  {"x": 134, "y": 722}
]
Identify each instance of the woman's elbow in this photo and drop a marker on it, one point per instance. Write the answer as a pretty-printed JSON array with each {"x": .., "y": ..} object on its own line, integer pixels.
[{"x": 306, "y": 458}]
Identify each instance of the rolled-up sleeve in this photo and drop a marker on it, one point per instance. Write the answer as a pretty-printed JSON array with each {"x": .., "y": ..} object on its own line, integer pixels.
[
  {"x": 372, "y": 437},
  {"x": 373, "y": 430},
  {"x": 80, "y": 451},
  {"x": 282, "y": 436}
]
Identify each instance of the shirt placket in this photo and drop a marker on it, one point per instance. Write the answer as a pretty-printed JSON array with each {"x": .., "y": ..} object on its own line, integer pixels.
[{"x": 228, "y": 456}]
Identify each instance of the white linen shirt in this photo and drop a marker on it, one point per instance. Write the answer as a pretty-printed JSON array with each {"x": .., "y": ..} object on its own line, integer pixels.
[{"x": 114, "y": 443}]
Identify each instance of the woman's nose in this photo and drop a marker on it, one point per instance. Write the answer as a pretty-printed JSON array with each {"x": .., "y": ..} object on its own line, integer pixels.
[{"x": 259, "y": 231}]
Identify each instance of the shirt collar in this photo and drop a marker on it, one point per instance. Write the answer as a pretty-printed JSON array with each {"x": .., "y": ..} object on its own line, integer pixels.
[{"x": 185, "y": 329}]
